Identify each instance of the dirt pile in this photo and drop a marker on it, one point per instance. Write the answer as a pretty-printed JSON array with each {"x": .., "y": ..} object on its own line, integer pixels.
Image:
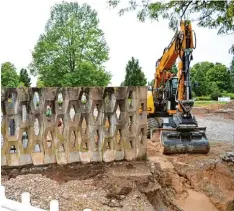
[{"x": 229, "y": 105}]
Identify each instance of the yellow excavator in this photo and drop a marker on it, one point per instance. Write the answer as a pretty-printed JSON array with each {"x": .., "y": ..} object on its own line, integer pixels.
[{"x": 169, "y": 99}]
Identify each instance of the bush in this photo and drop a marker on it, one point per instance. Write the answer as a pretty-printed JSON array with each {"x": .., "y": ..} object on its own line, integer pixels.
[
  {"x": 226, "y": 94},
  {"x": 203, "y": 98},
  {"x": 193, "y": 95},
  {"x": 215, "y": 95}
]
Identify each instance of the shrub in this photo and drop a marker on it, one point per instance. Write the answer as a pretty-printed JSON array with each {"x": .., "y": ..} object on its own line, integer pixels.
[
  {"x": 215, "y": 95},
  {"x": 226, "y": 94},
  {"x": 203, "y": 98}
]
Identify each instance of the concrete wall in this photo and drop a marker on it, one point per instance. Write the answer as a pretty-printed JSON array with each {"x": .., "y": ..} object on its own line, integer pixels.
[{"x": 104, "y": 125}]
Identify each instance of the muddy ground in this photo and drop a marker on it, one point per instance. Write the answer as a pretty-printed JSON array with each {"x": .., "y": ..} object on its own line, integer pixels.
[{"x": 162, "y": 183}]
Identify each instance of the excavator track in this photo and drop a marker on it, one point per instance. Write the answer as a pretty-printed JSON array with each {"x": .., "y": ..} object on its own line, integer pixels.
[{"x": 152, "y": 123}]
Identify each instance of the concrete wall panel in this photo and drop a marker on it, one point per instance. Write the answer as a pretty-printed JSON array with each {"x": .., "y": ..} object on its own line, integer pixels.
[{"x": 66, "y": 125}]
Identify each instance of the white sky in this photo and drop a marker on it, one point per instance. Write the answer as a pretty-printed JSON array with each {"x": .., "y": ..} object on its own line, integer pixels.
[{"x": 22, "y": 21}]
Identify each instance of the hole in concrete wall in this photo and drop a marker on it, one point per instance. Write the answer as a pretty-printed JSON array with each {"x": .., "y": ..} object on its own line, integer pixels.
[
  {"x": 73, "y": 139},
  {"x": 72, "y": 113},
  {"x": 48, "y": 112},
  {"x": 25, "y": 139},
  {"x": 85, "y": 145},
  {"x": 97, "y": 137},
  {"x": 108, "y": 144},
  {"x": 11, "y": 100},
  {"x": 107, "y": 124},
  {"x": 131, "y": 144},
  {"x": 24, "y": 113},
  {"x": 60, "y": 99},
  {"x": 142, "y": 108},
  {"x": 118, "y": 113},
  {"x": 141, "y": 135},
  {"x": 2, "y": 140},
  {"x": 12, "y": 127},
  {"x": 130, "y": 123},
  {"x": 60, "y": 126},
  {"x": 49, "y": 139},
  {"x": 37, "y": 148},
  {"x": 13, "y": 149},
  {"x": 36, "y": 127},
  {"x": 107, "y": 99},
  {"x": 84, "y": 126},
  {"x": 61, "y": 148},
  {"x": 96, "y": 112},
  {"x": 84, "y": 99},
  {"x": 36, "y": 100},
  {"x": 118, "y": 136},
  {"x": 130, "y": 101}
]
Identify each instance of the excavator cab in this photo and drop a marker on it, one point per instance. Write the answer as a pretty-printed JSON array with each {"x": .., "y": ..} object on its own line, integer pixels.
[{"x": 170, "y": 93}]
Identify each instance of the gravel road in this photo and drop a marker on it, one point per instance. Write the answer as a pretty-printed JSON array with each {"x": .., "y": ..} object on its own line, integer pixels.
[{"x": 218, "y": 128}]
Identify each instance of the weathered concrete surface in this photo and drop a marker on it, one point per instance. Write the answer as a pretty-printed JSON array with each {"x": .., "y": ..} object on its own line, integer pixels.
[{"x": 65, "y": 125}]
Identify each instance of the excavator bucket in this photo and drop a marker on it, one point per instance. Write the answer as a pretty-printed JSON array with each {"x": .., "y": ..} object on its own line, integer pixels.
[{"x": 193, "y": 141}]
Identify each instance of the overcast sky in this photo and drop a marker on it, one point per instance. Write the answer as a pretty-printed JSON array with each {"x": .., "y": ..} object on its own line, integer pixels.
[{"x": 22, "y": 21}]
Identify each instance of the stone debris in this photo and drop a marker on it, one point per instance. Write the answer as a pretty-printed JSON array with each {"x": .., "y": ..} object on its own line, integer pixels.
[{"x": 228, "y": 156}]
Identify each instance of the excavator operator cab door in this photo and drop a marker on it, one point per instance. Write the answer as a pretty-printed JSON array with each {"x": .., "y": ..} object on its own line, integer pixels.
[{"x": 170, "y": 93}]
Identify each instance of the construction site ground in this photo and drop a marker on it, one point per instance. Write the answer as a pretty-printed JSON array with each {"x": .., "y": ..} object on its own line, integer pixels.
[{"x": 176, "y": 182}]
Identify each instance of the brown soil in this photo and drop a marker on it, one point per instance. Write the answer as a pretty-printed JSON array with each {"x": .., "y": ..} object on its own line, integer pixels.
[{"x": 170, "y": 183}]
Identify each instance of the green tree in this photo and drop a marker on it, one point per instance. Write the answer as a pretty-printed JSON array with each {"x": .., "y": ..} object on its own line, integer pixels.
[
  {"x": 134, "y": 76},
  {"x": 86, "y": 75},
  {"x": 221, "y": 76},
  {"x": 40, "y": 83},
  {"x": 205, "y": 73},
  {"x": 198, "y": 77},
  {"x": 214, "y": 91},
  {"x": 9, "y": 76},
  {"x": 72, "y": 40},
  {"x": 231, "y": 70},
  {"x": 210, "y": 14},
  {"x": 24, "y": 78}
]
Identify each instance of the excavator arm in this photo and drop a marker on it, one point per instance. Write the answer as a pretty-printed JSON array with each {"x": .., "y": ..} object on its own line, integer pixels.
[{"x": 156, "y": 101}]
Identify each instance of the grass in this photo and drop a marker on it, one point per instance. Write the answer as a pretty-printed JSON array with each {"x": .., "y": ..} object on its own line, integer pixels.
[{"x": 207, "y": 103}]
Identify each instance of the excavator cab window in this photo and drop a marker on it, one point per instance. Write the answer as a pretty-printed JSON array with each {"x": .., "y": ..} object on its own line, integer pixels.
[{"x": 174, "y": 82}]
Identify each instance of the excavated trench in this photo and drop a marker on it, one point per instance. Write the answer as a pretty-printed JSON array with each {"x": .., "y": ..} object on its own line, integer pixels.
[{"x": 168, "y": 183}]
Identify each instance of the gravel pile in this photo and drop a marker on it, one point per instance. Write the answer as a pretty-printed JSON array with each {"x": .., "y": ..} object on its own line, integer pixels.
[
  {"x": 74, "y": 195},
  {"x": 218, "y": 128}
]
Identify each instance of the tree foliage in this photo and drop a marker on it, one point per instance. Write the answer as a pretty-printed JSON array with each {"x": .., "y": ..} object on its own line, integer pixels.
[
  {"x": 209, "y": 14},
  {"x": 72, "y": 42},
  {"x": 221, "y": 76},
  {"x": 212, "y": 79},
  {"x": 40, "y": 83},
  {"x": 231, "y": 70},
  {"x": 134, "y": 75},
  {"x": 9, "y": 76},
  {"x": 174, "y": 69},
  {"x": 24, "y": 78}
]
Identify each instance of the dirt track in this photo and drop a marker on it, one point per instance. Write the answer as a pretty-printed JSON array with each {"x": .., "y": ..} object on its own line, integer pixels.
[{"x": 177, "y": 182}]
